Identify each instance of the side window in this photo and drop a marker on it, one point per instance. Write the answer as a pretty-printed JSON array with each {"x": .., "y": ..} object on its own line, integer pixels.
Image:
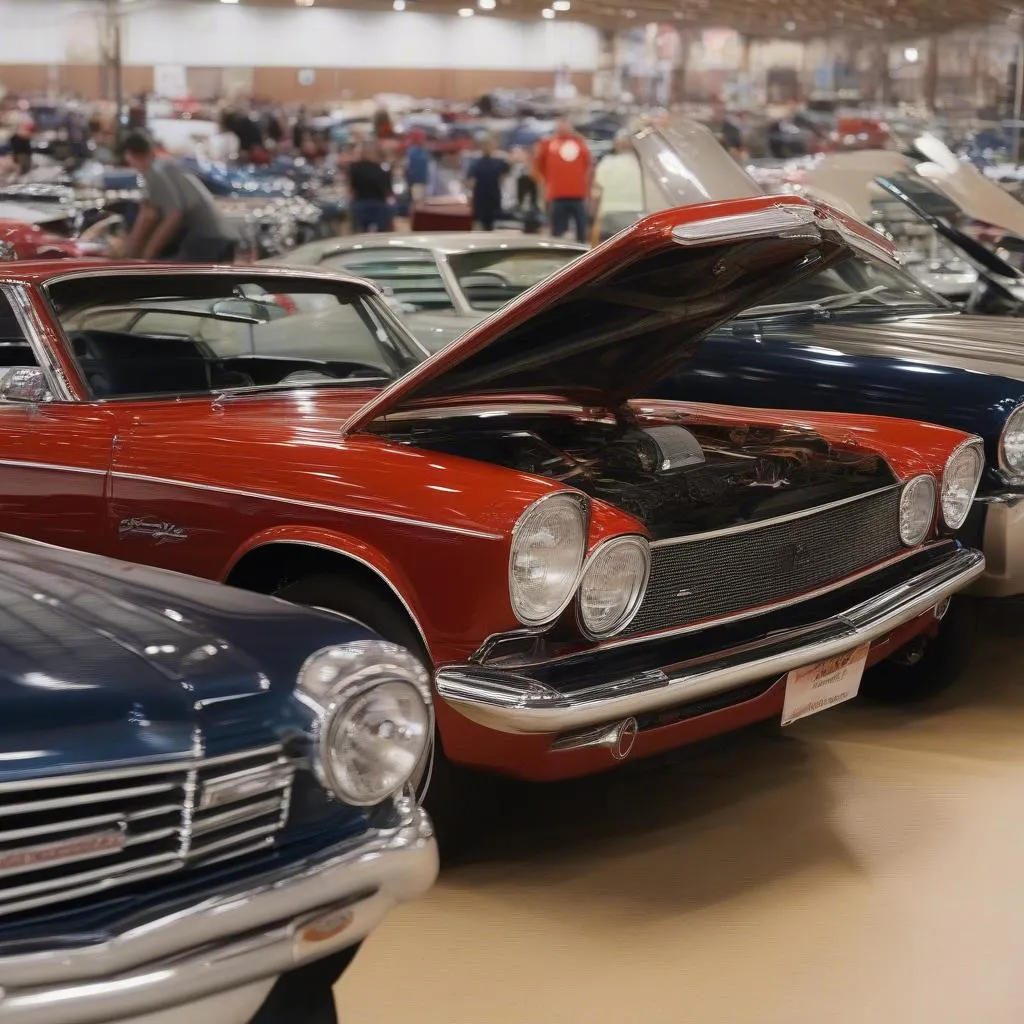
[
  {"x": 410, "y": 275},
  {"x": 14, "y": 347}
]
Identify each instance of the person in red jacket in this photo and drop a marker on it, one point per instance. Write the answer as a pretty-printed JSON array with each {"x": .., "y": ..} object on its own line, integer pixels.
[{"x": 564, "y": 165}]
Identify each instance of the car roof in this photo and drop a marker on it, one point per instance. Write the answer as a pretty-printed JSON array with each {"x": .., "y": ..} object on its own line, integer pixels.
[{"x": 446, "y": 242}]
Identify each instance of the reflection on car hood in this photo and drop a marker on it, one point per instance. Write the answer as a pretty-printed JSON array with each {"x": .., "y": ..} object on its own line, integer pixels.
[
  {"x": 983, "y": 344},
  {"x": 93, "y": 667},
  {"x": 625, "y": 315}
]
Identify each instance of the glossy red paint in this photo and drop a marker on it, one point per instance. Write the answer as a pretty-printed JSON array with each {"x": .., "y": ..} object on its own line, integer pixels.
[
  {"x": 30, "y": 242},
  {"x": 251, "y": 473}
]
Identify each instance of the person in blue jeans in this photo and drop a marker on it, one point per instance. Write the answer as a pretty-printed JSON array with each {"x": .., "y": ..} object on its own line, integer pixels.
[
  {"x": 485, "y": 177},
  {"x": 371, "y": 192},
  {"x": 417, "y": 164}
]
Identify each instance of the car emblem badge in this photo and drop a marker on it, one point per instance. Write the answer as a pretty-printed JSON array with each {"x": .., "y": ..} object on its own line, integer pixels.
[
  {"x": 796, "y": 556},
  {"x": 67, "y": 851},
  {"x": 161, "y": 532}
]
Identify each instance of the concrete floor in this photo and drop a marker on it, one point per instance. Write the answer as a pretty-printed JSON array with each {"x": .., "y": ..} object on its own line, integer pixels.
[{"x": 863, "y": 866}]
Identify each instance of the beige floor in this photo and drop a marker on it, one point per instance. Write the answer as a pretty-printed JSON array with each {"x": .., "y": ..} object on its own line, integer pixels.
[{"x": 865, "y": 866}]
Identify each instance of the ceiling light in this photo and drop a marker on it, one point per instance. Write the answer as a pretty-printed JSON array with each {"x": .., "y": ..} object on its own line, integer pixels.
[
  {"x": 229, "y": 1},
  {"x": 399, "y": 5},
  {"x": 911, "y": 54},
  {"x": 304, "y": 3},
  {"x": 547, "y": 13},
  {"x": 561, "y": 5},
  {"x": 465, "y": 12},
  {"x": 487, "y": 5}
]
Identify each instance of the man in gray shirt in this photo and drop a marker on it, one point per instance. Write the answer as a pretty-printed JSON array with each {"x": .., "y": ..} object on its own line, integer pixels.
[{"x": 179, "y": 219}]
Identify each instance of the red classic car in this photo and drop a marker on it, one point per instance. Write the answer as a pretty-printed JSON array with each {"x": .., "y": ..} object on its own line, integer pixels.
[{"x": 589, "y": 577}]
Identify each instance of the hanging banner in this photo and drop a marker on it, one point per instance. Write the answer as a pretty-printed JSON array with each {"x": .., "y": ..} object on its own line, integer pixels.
[{"x": 170, "y": 81}]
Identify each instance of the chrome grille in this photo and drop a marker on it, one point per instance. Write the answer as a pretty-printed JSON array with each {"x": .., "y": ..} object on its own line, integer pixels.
[
  {"x": 68, "y": 837},
  {"x": 732, "y": 572}
]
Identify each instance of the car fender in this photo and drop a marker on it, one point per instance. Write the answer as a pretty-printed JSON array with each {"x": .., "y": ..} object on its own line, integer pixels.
[{"x": 353, "y": 548}]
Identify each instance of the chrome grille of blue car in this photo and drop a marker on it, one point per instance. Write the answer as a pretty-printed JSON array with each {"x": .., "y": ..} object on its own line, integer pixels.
[{"x": 68, "y": 837}]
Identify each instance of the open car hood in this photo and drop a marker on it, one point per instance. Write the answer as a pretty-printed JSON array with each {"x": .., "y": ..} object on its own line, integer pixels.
[
  {"x": 624, "y": 316},
  {"x": 979, "y": 198}
]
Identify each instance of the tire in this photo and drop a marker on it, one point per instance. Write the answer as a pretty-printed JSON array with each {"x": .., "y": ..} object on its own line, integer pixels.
[
  {"x": 457, "y": 799},
  {"x": 916, "y": 674},
  {"x": 306, "y": 995}
]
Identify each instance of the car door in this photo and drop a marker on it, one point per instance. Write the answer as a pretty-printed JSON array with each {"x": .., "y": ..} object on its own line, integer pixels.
[{"x": 55, "y": 449}]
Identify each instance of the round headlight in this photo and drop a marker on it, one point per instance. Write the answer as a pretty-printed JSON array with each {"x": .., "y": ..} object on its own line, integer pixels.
[
  {"x": 917, "y": 510},
  {"x": 548, "y": 545},
  {"x": 960, "y": 481},
  {"x": 374, "y": 718},
  {"x": 1011, "y": 444},
  {"x": 613, "y": 585}
]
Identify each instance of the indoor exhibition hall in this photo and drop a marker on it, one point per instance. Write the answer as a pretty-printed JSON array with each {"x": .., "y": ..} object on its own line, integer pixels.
[{"x": 511, "y": 511}]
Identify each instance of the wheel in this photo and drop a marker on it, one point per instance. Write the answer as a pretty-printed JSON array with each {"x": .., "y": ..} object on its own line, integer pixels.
[
  {"x": 306, "y": 995},
  {"x": 927, "y": 666},
  {"x": 457, "y": 799}
]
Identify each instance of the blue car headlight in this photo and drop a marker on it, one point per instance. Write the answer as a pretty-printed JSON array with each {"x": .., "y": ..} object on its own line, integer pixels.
[{"x": 374, "y": 718}]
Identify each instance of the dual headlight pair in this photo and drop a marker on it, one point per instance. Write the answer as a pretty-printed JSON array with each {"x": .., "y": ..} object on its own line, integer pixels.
[
  {"x": 548, "y": 567},
  {"x": 960, "y": 480}
]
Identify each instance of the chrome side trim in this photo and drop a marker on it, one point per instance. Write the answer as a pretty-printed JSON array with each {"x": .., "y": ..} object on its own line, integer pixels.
[
  {"x": 254, "y": 931},
  {"x": 362, "y": 561},
  {"x": 16, "y": 293},
  {"x": 52, "y": 466},
  {"x": 514, "y": 703},
  {"x": 492, "y": 410},
  {"x": 763, "y": 523},
  {"x": 366, "y": 513}
]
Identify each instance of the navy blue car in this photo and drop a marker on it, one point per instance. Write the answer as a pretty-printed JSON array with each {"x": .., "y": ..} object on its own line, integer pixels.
[
  {"x": 205, "y": 798},
  {"x": 860, "y": 335}
]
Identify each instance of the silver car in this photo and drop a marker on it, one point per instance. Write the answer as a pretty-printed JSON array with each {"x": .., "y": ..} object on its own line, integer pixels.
[{"x": 443, "y": 283}]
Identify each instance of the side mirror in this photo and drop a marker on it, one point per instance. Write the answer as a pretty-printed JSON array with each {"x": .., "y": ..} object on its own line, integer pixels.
[{"x": 24, "y": 384}]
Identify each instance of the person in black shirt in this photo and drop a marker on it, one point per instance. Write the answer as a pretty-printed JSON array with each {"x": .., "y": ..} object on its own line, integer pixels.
[
  {"x": 485, "y": 176},
  {"x": 370, "y": 189},
  {"x": 21, "y": 146}
]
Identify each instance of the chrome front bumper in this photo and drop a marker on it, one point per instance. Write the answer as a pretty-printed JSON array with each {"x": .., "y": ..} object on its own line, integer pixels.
[
  {"x": 515, "y": 703},
  {"x": 217, "y": 953}
]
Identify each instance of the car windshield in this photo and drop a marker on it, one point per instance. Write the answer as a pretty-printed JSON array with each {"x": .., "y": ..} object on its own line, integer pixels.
[
  {"x": 204, "y": 333},
  {"x": 858, "y": 284},
  {"x": 490, "y": 278}
]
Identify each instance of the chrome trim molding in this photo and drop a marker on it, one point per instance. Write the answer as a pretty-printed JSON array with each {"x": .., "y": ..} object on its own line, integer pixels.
[
  {"x": 19, "y": 464},
  {"x": 246, "y": 934},
  {"x": 762, "y": 523},
  {"x": 16, "y": 293},
  {"x": 519, "y": 704},
  {"x": 366, "y": 513}
]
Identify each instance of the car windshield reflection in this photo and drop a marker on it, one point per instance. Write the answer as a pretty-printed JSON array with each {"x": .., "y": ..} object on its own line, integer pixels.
[
  {"x": 180, "y": 334},
  {"x": 856, "y": 284}
]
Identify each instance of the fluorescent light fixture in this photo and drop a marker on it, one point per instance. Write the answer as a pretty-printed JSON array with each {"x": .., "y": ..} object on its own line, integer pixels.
[
  {"x": 561, "y": 5},
  {"x": 229, "y": 1},
  {"x": 547, "y": 13},
  {"x": 911, "y": 54},
  {"x": 487, "y": 5},
  {"x": 399, "y": 5},
  {"x": 465, "y": 12},
  {"x": 304, "y": 3}
]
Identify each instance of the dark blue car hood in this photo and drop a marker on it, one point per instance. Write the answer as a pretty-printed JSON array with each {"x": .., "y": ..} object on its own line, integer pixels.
[{"x": 102, "y": 662}]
